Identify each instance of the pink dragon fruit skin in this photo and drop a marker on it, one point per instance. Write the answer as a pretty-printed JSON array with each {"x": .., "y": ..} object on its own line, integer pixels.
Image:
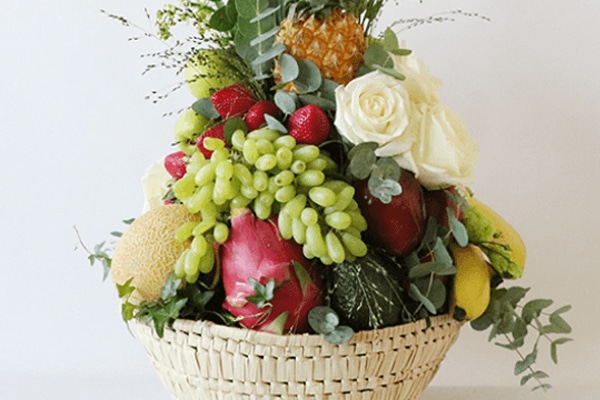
[{"x": 255, "y": 249}]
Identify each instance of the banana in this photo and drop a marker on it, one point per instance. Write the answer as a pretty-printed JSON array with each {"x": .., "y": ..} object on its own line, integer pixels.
[
  {"x": 471, "y": 282},
  {"x": 507, "y": 234}
]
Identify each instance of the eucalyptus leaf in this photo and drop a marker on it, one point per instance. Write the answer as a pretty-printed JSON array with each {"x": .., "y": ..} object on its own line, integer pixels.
[
  {"x": 383, "y": 189},
  {"x": 265, "y": 36},
  {"x": 323, "y": 320},
  {"x": 339, "y": 335},
  {"x": 309, "y": 77},
  {"x": 250, "y": 9},
  {"x": 205, "y": 108},
  {"x": 534, "y": 375},
  {"x": 401, "y": 52},
  {"x": 275, "y": 124},
  {"x": 554, "y": 348},
  {"x": 220, "y": 20},
  {"x": 286, "y": 101},
  {"x": 390, "y": 40},
  {"x": 524, "y": 364},
  {"x": 328, "y": 88},
  {"x": 441, "y": 253},
  {"x": 267, "y": 13},
  {"x": 289, "y": 68},
  {"x": 232, "y": 125},
  {"x": 362, "y": 159},
  {"x": 532, "y": 309},
  {"x": 416, "y": 295},
  {"x": 387, "y": 168},
  {"x": 431, "y": 267},
  {"x": 376, "y": 54},
  {"x": 389, "y": 71},
  {"x": 457, "y": 228},
  {"x": 324, "y": 104},
  {"x": 269, "y": 54}
]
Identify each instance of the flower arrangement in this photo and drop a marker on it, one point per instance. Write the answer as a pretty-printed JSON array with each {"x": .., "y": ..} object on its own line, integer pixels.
[{"x": 318, "y": 185}]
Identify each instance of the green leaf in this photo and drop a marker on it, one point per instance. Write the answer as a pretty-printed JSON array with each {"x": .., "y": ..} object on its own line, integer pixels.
[
  {"x": 390, "y": 40},
  {"x": 328, "y": 88},
  {"x": 267, "y": 13},
  {"x": 554, "y": 348},
  {"x": 401, "y": 52},
  {"x": 170, "y": 288},
  {"x": 116, "y": 234},
  {"x": 340, "y": 335},
  {"x": 533, "y": 308},
  {"x": 325, "y": 104},
  {"x": 263, "y": 293},
  {"x": 289, "y": 68},
  {"x": 286, "y": 101},
  {"x": 309, "y": 77},
  {"x": 128, "y": 310},
  {"x": 232, "y": 125},
  {"x": 441, "y": 254},
  {"x": 457, "y": 228},
  {"x": 544, "y": 386},
  {"x": 524, "y": 364},
  {"x": 275, "y": 124},
  {"x": 362, "y": 159},
  {"x": 534, "y": 375},
  {"x": 220, "y": 20},
  {"x": 205, "y": 108},
  {"x": 323, "y": 320},
  {"x": 384, "y": 189},
  {"x": 125, "y": 290},
  {"x": 558, "y": 325},
  {"x": 377, "y": 55},
  {"x": 270, "y": 54},
  {"x": 387, "y": 168},
  {"x": 416, "y": 295},
  {"x": 265, "y": 36},
  {"x": 250, "y": 9},
  {"x": 389, "y": 71},
  {"x": 432, "y": 267}
]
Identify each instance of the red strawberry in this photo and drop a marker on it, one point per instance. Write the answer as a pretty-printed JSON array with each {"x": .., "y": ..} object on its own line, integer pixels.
[
  {"x": 232, "y": 101},
  {"x": 309, "y": 125},
  {"x": 175, "y": 164},
  {"x": 214, "y": 132},
  {"x": 256, "y": 114}
]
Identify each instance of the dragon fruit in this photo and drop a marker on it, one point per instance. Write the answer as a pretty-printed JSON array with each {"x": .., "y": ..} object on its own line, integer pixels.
[{"x": 269, "y": 285}]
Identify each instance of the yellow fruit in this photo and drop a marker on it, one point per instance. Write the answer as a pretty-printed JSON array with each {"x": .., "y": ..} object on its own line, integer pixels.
[
  {"x": 471, "y": 282},
  {"x": 336, "y": 43},
  {"x": 506, "y": 233},
  {"x": 147, "y": 251}
]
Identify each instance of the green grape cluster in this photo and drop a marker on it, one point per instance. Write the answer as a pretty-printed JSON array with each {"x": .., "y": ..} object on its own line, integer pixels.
[{"x": 270, "y": 173}]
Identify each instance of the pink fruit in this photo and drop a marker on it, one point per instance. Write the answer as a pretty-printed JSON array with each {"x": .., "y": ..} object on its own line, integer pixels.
[
  {"x": 398, "y": 226},
  {"x": 232, "y": 101},
  {"x": 309, "y": 125},
  {"x": 255, "y": 117},
  {"x": 175, "y": 164},
  {"x": 256, "y": 250}
]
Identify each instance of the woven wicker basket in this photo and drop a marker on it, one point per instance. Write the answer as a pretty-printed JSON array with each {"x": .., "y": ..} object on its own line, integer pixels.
[{"x": 199, "y": 360}]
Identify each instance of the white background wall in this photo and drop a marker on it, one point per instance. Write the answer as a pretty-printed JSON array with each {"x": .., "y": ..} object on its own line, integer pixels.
[{"x": 76, "y": 136}]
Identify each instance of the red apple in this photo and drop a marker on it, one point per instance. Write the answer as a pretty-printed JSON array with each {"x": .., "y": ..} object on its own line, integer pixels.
[
  {"x": 398, "y": 226},
  {"x": 436, "y": 203}
]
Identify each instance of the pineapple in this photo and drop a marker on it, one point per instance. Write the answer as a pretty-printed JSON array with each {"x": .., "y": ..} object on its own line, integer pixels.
[{"x": 334, "y": 41}]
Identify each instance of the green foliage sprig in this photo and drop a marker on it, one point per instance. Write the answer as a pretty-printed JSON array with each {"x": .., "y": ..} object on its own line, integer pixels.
[{"x": 508, "y": 319}]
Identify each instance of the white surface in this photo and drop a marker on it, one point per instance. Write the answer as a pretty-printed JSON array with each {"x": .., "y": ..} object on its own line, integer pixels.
[{"x": 76, "y": 136}]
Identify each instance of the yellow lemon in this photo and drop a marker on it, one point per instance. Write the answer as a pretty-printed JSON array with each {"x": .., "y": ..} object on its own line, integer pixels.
[{"x": 471, "y": 282}]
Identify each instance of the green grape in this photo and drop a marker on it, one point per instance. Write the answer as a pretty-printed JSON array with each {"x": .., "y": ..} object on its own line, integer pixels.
[
  {"x": 318, "y": 164},
  {"x": 335, "y": 185},
  {"x": 185, "y": 231},
  {"x": 284, "y": 222},
  {"x": 264, "y": 133},
  {"x": 199, "y": 245},
  {"x": 285, "y": 141},
  {"x": 192, "y": 278},
  {"x": 284, "y": 158},
  {"x": 201, "y": 198},
  {"x": 354, "y": 244},
  {"x": 207, "y": 262},
  {"x": 335, "y": 249},
  {"x": 222, "y": 191},
  {"x": 224, "y": 169},
  {"x": 298, "y": 231},
  {"x": 294, "y": 207},
  {"x": 196, "y": 162},
  {"x": 311, "y": 177},
  {"x": 250, "y": 151},
  {"x": 203, "y": 227},
  {"x": 309, "y": 216},
  {"x": 212, "y": 144},
  {"x": 249, "y": 191},
  {"x": 306, "y": 152},
  {"x": 205, "y": 174},
  {"x": 272, "y": 186},
  {"x": 352, "y": 206},
  {"x": 221, "y": 232},
  {"x": 298, "y": 167},
  {"x": 315, "y": 241},
  {"x": 326, "y": 260},
  {"x": 284, "y": 178},
  {"x": 322, "y": 196},
  {"x": 261, "y": 180},
  {"x": 338, "y": 220},
  {"x": 210, "y": 213},
  {"x": 219, "y": 155},
  {"x": 179, "y": 269},
  {"x": 184, "y": 187},
  {"x": 265, "y": 146},
  {"x": 358, "y": 221},
  {"x": 243, "y": 174},
  {"x": 261, "y": 210},
  {"x": 285, "y": 194},
  {"x": 265, "y": 198},
  {"x": 307, "y": 252},
  {"x": 240, "y": 201},
  {"x": 342, "y": 201},
  {"x": 266, "y": 162},
  {"x": 191, "y": 262},
  {"x": 237, "y": 139}
]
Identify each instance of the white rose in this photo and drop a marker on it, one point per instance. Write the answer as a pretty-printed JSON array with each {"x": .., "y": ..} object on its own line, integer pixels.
[
  {"x": 419, "y": 83},
  {"x": 154, "y": 185},
  {"x": 372, "y": 108},
  {"x": 443, "y": 153}
]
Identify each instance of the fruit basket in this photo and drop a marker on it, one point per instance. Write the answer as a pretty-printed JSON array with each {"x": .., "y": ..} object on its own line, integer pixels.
[
  {"x": 201, "y": 360},
  {"x": 313, "y": 235}
]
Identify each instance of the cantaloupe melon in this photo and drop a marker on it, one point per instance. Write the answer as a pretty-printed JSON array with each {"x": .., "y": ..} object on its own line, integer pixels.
[{"x": 147, "y": 251}]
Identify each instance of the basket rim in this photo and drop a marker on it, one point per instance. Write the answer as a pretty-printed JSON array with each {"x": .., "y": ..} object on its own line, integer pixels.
[{"x": 212, "y": 329}]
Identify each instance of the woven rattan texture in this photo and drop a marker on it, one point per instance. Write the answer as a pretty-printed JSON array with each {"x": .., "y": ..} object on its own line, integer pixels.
[{"x": 197, "y": 360}]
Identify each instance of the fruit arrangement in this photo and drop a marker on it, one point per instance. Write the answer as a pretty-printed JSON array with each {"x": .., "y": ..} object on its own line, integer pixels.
[{"x": 318, "y": 185}]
